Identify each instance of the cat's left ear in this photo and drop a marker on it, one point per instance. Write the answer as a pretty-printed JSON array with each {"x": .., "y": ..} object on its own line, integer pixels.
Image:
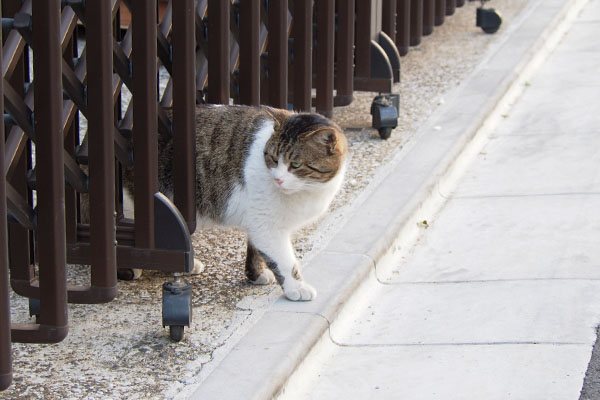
[{"x": 331, "y": 138}]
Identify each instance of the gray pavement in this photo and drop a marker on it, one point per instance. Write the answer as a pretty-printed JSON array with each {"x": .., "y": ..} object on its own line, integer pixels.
[
  {"x": 497, "y": 295},
  {"x": 467, "y": 269},
  {"x": 470, "y": 271}
]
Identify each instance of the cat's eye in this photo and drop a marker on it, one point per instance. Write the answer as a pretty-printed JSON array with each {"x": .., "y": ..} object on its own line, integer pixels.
[
  {"x": 274, "y": 159},
  {"x": 296, "y": 164}
]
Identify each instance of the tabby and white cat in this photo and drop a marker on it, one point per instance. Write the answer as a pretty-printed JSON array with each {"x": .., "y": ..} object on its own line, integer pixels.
[{"x": 267, "y": 171}]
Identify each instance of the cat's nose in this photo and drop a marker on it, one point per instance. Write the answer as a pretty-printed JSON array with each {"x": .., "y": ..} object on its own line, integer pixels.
[{"x": 279, "y": 181}]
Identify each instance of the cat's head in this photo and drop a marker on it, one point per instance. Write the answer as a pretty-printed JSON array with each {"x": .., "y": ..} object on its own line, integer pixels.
[{"x": 305, "y": 151}]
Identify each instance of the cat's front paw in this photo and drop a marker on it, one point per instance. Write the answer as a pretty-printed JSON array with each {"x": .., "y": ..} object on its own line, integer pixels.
[
  {"x": 265, "y": 278},
  {"x": 198, "y": 267},
  {"x": 299, "y": 291}
]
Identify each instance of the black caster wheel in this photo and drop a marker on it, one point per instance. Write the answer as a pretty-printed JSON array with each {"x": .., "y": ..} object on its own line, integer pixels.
[
  {"x": 176, "y": 332},
  {"x": 177, "y": 307},
  {"x": 384, "y": 110},
  {"x": 34, "y": 309},
  {"x": 385, "y": 133},
  {"x": 488, "y": 19}
]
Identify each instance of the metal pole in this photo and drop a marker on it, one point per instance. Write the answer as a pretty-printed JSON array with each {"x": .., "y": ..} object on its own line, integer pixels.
[
  {"x": 440, "y": 12},
  {"x": 428, "y": 17},
  {"x": 277, "y": 47},
  {"x": 325, "y": 54},
  {"x": 184, "y": 110},
  {"x": 403, "y": 26},
  {"x": 416, "y": 22},
  {"x": 50, "y": 166},
  {"x": 344, "y": 53},
  {"x": 5, "y": 346},
  {"x": 450, "y": 7},
  {"x": 145, "y": 123},
  {"x": 218, "y": 51},
  {"x": 250, "y": 52},
  {"x": 302, "y": 26},
  {"x": 101, "y": 143}
]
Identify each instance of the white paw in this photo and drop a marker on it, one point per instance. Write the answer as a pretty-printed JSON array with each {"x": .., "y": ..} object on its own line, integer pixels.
[
  {"x": 137, "y": 273},
  {"x": 198, "y": 267},
  {"x": 299, "y": 291},
  {"x": 265, "y": 278}
]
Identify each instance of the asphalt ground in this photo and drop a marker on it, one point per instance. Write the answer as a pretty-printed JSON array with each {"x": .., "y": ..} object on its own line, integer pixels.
[{"x": 591, "y": 383}]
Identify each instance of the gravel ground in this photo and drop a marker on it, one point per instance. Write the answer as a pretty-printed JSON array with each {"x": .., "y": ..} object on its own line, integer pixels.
[{"x": 120, "y": 350}]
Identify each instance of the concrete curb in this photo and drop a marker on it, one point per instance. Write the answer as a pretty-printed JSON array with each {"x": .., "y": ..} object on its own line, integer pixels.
[{"x": 259, "y": 365}]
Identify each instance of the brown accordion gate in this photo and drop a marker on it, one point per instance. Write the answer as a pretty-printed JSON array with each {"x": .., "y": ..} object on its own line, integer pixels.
[{"x": 110, "y": 75}]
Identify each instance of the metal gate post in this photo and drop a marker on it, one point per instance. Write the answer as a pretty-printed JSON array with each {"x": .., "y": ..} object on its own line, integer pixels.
[
  {"x": 101, "y": 157},
  {"x": 5, "y": 346},
  {"x": 416, "y": 22},
  {"x": 145, "y": 125},
  {"x": 324, "y": 57},
  {"x": 344, "y": 53},
  {"x": 277, "y": 47},
  {"x": 403, "y": 26},
  {"x": 388, "y": 15},
  {"x": 440, "y": 12},
  {"x": 53, "y": 326},
  {"x": 450, "y": 7},
  {"x": 428, "y": 17},
  {"x": 218, "y": 51},
  {"x": 21, "y": 267},
  {"x": 184, "y": 110},
  {"x": 303, "y": 47},
  {"x": 250, "y": 52}
]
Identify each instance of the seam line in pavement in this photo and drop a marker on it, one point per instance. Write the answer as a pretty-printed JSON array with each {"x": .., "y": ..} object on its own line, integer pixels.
[
  {"x": 437, "y": 344},
  {"x": 491, "y": 196},
  {"x": 392, "y": 283},
  {"x": 507, "y": 343}
]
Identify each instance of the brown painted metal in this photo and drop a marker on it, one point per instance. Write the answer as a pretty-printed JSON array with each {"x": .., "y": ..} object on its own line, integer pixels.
[
  {"x": 145, "y": 124},
  {"x": 5, "y": 346},
  {"x": 15, "y": 69},
  {"x": 71, "y": 129},
  {"x": 344, "y": 53},
  {"x": 363, "y": 38},
  {"x": 416, "y": 22},
  {"x": 250, "y": 52},
  {"x": 428, "y": 16},
  {"x": 53, "y": 320},
  {"x": 218, "y": 51},
  {"x": 388, "y": 17},
  {"x": 450, "y": 7},
  {"x": 440, "y": 12},
  {"x": 101, "y": 157},
  {"x": 302, "y": 34},
  {"x": 184, "y": 117},
  {"x": 403, "y": 26},
  {"x": 277, "y": 47},
  {"x": 325, "y": 57}
]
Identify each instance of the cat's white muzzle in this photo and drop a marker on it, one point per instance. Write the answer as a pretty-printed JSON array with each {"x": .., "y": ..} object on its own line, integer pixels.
[{"x": 285, "y": 180}]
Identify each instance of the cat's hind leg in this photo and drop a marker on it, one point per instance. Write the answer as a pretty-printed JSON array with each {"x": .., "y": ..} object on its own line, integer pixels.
[
  {"x": 276, "y": 249},
  {"x": 256, "y": 267}
]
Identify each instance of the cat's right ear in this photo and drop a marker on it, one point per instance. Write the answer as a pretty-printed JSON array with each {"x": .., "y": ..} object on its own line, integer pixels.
[{"x": 279, "y": 116}]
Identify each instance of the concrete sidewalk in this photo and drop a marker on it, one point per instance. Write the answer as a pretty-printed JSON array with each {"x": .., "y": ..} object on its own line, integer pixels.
[
  {"x": 469, "y": 272},
  {"x": 498, "y": 296},
  {"x": 248, "y": 343}
]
